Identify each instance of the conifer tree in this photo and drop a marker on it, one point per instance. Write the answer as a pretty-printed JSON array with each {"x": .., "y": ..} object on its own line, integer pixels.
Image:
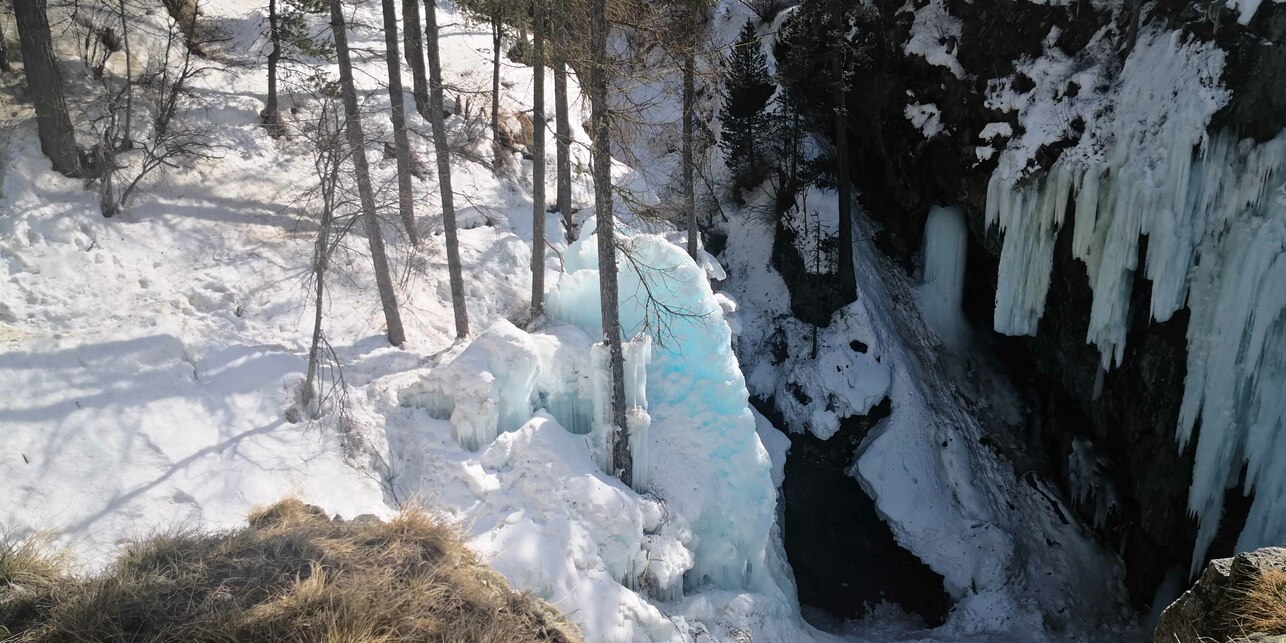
[{"x": 744, "y": 115}]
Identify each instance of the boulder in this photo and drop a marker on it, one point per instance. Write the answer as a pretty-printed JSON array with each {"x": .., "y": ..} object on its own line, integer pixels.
[{"x": 1209, "y": 610}]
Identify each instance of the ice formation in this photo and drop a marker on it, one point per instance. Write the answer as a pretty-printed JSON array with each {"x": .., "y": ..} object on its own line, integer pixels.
[
  {"x": 691, "y": 431},
  {"x": 1213, "y": 213},
  {"x": 945, "y": 244},
  {"x": 485, "y": 390},
  {"x": 703, "y": 455}
]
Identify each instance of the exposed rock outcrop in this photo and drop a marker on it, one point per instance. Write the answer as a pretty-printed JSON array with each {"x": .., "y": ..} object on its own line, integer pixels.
[{"x": 1217, "y": 606}]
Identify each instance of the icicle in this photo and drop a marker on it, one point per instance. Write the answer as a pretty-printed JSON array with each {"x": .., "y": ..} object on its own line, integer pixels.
[{"x": 1214, "y": 212}]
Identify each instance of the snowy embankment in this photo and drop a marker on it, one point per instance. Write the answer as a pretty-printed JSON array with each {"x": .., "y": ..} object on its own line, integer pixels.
[{"x": 150, "y": 361}]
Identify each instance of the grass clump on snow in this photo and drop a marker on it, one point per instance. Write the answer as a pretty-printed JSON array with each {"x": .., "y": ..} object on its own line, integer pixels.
[{"x": 291, "y": 575}]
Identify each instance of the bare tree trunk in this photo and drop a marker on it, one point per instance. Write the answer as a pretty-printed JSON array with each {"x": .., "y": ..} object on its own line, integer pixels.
[
  {"x": 330, "y": 161},
  {"x": 353, "y": 127},
  {"x": 563, "y": 136},
  {"x": 443, "y": 152},
  {"x": 397, "y": 113},
  {"x": 44, "y": 82},
  {"x": 415, "y": 54},
  {"x": 127, "y": 133},
  {"x": 847, "y": 278},
  {"x": 497, "y": 41},
  {"x": 271, "y": 115},
  {"x": 607, "y": 279},
  {"x": 689, "y": 115},
  {"x": 4, "y": 52},
  {"x": 538, "y": 159}
]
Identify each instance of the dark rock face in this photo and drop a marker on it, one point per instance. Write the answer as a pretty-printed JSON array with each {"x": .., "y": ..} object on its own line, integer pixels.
[
  {"x": 843, "y": 554},
  {"x": 1128, "y": 413},
  {"x": 1208, "y": 611}
]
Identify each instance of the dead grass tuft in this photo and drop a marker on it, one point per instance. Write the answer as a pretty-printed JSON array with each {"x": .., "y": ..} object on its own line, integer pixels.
[
  {"x": 1261, "y": 606},
  {"x": 291, "y": 575}
]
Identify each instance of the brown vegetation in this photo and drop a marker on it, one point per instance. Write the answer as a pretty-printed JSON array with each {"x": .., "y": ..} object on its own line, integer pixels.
[
  {"x": 291, "y": 575},
  {"x": 1261, "y": 606}
]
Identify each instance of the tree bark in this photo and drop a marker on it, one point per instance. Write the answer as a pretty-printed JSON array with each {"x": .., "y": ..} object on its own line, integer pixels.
[
  {"x": 608, "y": 287},
  {"x": 538, "y": 159},
  {"x": 497, "y": 40},
  {"x": 271, "y": 115},
  {"x": 443, "y": 153},
  {"x": 127, "y": 135},
  {"x": 847, "y": 278},
  {"x": 44, "y": 82},
  {"x": 329, "y": 174},
  {"x": 397, "y": 113},
  {"x": 357, "y": 145},
  {"x": 689, "y": 115},
  {"x": 415, "y": 55},
  {"x": 563, "y": 136},
  {"x": 4, "y": 52}
]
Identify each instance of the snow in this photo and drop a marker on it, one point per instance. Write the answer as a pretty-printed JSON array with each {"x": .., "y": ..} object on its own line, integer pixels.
[
  {"x": 935, "y": 35},
  {"x": 1246, "y": 9},
  {"x": 926, "y": 118}
]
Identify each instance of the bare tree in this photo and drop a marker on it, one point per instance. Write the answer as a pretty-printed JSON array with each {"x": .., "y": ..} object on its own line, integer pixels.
[
  {"x": 563, "y": 133},
  {"x": 600, "y": 120},
  {"x": 443, "y": 152},
  {"x": 166, "y": 139},
  {"x": 839, "y": 37},
  {"x": 44, "y": 82},
  {"x": 327, "y": 162},
  {"x": 397, "y": 113},
  {"x": 414, "y": 43},
  {"x": 271, "y": 114},
  {"x": 357, "y": 151},
  {"x": 4, "y": 52},
  {"x": 538, "y": 159},
  {"x": 497, "y": 41}
]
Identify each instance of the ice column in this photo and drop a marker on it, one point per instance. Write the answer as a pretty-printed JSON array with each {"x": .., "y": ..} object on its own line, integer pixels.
[{"x": 941, "y": 293}]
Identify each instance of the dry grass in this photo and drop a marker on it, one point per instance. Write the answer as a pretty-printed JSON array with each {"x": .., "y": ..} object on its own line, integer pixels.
[
  {"x": 1261, "y": 607},
  {"x": 290, "y": 575}
]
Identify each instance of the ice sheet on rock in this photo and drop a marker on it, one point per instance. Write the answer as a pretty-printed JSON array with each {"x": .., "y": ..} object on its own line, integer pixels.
[{"x": 1169, "y": 91}]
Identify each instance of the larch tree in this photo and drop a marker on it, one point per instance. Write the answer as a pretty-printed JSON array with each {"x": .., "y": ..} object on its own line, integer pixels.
[
  {"x": 562, "y": 128},
  {"x": 4, "y": 52},
  {"x": 442, "y": 150},
  {"x": 839, "y": 39},
  {"x": 609, "y": 290},
  {"x": 397, "y": 114},
  {"x": 44, "y": 82},
  {"x": 538, "y": 24},
  {"x": 271, "y": 114},
  {"x": 497, "y": 41},
  {"x": 414, "y": 43},
  {"x": 689, "y": 32},
  {"x": 361, "y": 170}
]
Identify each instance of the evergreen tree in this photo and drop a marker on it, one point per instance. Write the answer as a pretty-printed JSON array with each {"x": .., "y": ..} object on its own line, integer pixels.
[{"x": 746, "y": 92}]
